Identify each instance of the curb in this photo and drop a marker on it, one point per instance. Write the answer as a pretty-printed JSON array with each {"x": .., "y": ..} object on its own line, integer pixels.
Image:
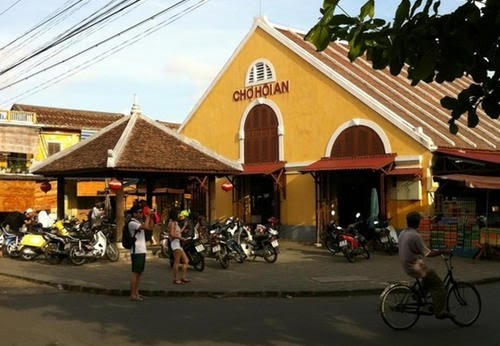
[{"x": 221, "y": 294}]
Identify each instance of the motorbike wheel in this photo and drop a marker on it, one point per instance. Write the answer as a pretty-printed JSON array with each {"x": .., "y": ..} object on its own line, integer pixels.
[
  {"x": 198, "y": 262},
  {"x": 365, "y": 253},
  {"x": 5, "y": 251},
  {"x": 112, "y": 252},
  {"x": 392, "y": 247},
  {"x": 223, "y": 258},
  {"x": 73, "y": 256},
  {"x": 332, "y": 245},
  {"x": 10, "y": 250},
  {"x": 27, "y": 256},
  {"x": 239, "y": 258},
  {"x": 270, "y": 254},
  {"x": 52, "y": 255},
  {"x": 349, "y": 253},
  {"x": 164, "y": 252}
]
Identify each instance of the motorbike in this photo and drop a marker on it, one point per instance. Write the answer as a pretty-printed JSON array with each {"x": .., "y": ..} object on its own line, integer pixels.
[
  {"x": 53, "y": 243},
  {"x": 10, "y": 242},
  {"x": 330, "y": 235},
  {"x": 262, "y": 242},
  {"x": 194, "y": 250},
  {"x": 164, "y": 243},
  {"x": 222, "y": 244},
  {"x": 352, "y": 242},
  {"x": 385, "y": 237},
  {"x": 99, "y": 246},
  {"x": 217, "y": 247},
  {"x": 231, "y": 231}
]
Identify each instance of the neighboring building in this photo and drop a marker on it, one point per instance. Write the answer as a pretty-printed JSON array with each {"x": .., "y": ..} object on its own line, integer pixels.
[
  {"x": 33, "y": 133},
  {"x": 315, "y": 131}
]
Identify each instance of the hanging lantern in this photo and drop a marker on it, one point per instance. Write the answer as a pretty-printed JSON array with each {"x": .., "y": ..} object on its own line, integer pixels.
[
  {"x": 115, "y": 185},
  {"x": 227, "y": 186},
  {"x": 45, "y": 186}
]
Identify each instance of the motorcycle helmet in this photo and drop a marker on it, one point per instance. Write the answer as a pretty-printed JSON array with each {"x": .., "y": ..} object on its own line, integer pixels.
[{"x": 183, "y": 214}]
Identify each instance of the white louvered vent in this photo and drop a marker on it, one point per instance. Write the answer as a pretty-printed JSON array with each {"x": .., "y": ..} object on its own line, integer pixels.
[{"x": 260, "y": 72}]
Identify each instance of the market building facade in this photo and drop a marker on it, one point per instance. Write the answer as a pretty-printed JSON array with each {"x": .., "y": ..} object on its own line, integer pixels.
[{"x": 314, "y": 131}]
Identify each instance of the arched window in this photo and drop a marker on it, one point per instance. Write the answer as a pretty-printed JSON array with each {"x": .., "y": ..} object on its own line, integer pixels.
[
  {"x": 261, "y": 71},
  {"x": 357, "y": 141},
  {"x": 261, "y": 135}
]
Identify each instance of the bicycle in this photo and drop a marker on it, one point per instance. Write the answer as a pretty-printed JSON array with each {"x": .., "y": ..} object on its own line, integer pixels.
[{"x": 401, "y": 303}]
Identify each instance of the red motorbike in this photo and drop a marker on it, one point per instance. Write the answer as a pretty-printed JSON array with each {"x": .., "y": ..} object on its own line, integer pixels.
[{"x": 352, "y": 243}]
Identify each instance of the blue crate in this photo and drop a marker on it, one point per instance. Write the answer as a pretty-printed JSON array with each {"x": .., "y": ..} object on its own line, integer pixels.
[{"x": 466, "y": 252}]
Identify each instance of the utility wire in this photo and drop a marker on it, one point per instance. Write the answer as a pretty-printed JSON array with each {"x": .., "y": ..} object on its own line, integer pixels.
[
  {"x": 48, "y": 19},
  {"x": 8, "y": 8},
  {"x": 31, "y": 66},
  {"x": 65, "y": 37},
  {"x": 107, "y": 53}
]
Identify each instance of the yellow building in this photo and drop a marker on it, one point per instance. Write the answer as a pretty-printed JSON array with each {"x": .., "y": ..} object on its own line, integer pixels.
[
  {"x": 315, "y": 132},
  {"x": 33, "y": 133}
]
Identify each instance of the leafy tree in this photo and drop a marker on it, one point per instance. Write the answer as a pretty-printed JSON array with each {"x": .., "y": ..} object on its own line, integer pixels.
[{"x": 433, "y": 47}]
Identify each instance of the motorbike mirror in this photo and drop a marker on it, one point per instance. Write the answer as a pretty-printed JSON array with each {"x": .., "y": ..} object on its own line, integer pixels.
[{"x": 332, "y": 212}]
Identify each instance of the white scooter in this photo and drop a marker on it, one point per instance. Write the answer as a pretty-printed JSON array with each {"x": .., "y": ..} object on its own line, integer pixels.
[{"x": 92, "y": 249}]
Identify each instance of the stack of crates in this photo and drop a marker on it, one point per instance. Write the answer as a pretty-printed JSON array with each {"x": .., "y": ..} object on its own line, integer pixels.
[
  {"x": 490, "y": 236},
  {"x": 457, "y": 227},
  {"x": 425, "y": 230}
]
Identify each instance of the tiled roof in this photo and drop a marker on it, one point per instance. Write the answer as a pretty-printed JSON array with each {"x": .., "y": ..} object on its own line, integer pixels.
[
  {"x": 135, "y": 145},
  {"x": 71, "y": 119},
  {"x": 415, "y": 110}
]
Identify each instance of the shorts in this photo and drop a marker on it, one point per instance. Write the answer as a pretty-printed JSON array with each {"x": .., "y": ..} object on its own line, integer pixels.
[
  {"x": 138, "y": 262},
  {"x": 175, "y": 245}
]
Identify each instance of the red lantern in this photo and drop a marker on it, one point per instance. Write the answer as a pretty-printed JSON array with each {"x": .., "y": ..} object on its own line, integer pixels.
[
  {"x": 227, "y": 186},
  {"x": 45, "y": 186},
  {"x": 115, "y": 185}
]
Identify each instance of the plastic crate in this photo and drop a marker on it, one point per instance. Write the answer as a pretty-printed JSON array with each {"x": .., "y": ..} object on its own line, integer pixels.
[{"x": 466, "y": 252}]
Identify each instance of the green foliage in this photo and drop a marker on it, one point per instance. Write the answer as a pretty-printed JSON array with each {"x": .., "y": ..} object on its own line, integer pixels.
[{"x": 433, "y": 47}]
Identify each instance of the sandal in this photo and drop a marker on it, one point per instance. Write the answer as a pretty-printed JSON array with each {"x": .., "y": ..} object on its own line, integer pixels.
[
  {"x": 136, "y": 298},
  {"x": 185, "y": 281},
  {"x": 177, "y": 282}
]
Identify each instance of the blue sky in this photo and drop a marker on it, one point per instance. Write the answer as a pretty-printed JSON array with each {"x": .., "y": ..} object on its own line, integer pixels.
[{"x": 168, "y": 70}]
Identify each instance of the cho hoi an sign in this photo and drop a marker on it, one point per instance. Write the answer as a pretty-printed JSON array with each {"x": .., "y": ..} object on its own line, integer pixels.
[{"x": 261, "y": 90}]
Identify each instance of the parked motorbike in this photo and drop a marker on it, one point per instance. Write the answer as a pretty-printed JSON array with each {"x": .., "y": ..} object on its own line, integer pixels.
[
  {"x": 195, "y": 252},
  {"x": 330, "y": 235},
  {"x": 262, "y": 242},
  {"x": 10, "y": 242},
  {"x": 231, "y": 230},
  {"x": 385, "y": 237},
  {"x": 53, "y": 243},
  {"x": 217, "y": 246},
  {"x": 352, "y": 242},
  {"x": 88, "y": 249},
  {"x": 164, "y": 243}
]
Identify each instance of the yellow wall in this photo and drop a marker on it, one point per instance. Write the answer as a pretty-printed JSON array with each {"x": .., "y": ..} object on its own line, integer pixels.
[
  {"x": 312, "y": 111},
  {"x": 66, "y": 139}
]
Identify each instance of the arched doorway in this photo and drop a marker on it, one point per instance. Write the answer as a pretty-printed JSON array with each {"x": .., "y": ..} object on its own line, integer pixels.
[
  {"x": 258, "y": 193},
  {"x": 351, "y": 171}
]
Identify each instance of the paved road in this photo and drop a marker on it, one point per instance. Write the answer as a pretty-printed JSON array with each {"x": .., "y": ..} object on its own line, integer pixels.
[{"x": 301, "y": 270}]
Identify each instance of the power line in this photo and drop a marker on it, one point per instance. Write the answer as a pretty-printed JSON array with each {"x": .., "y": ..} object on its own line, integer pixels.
[
  {"x": 8, "y": 8},
  {"x": 106, "y": 54},
  {"x": 67, "y": 35},
  {"x": 33, "y": 64}
]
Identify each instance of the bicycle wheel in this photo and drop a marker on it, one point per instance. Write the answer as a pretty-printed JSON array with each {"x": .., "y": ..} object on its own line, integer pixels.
[
  {"x": 398, "y": 307},
  {"x": 464, "y": 302}
]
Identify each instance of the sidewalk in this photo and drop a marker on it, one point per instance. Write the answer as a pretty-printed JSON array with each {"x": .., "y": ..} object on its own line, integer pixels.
[{"x": 301, "y": 270}]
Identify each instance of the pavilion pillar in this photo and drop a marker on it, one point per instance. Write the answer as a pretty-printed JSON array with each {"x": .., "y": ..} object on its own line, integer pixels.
[{"x": 60, "y": 198}]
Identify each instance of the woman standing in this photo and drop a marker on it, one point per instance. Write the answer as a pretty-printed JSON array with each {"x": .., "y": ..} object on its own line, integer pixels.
[{"x": 176, "y": 239}]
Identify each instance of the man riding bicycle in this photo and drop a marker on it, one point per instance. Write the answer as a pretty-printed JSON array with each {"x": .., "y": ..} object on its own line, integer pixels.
[{"x": 412, "y": 251}]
